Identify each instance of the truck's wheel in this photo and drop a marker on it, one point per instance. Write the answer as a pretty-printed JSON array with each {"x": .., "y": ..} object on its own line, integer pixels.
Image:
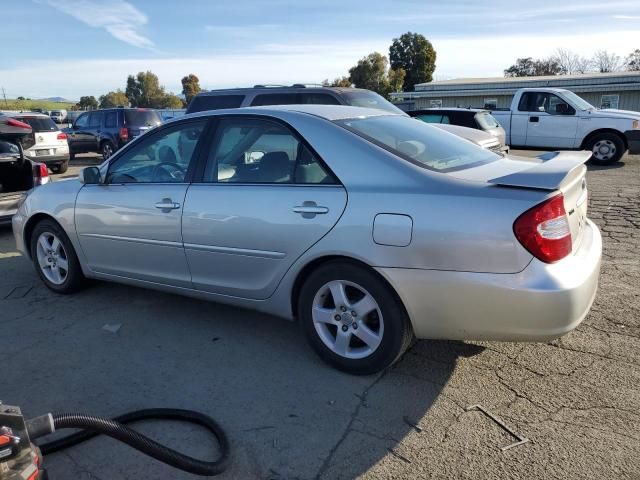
[{"x": 606, "y": 148}]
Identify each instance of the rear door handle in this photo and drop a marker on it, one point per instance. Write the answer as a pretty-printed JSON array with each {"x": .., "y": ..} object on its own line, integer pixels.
[
  {"x": 167, "y": 204},
  {"x": 310, "y": 209}
]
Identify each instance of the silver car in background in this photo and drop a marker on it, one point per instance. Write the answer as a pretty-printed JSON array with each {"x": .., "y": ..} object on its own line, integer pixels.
[{"x": 366, "y": 226}]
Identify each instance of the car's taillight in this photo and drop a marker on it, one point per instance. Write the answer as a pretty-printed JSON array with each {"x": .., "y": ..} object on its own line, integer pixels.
[
  {"x": 40, "y": 173},
  {"x": 124, "y": 134},
  {"x": 62, "y": 136},
  {"x": 17, "y": 123},
  {"x": 544, "y": 230}
]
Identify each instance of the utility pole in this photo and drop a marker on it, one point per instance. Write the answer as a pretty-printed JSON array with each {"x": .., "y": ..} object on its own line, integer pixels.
[{"x": 5, "y": 97}]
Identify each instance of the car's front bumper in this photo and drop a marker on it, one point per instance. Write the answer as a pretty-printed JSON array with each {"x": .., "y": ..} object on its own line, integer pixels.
[
  {"x": 633, "y": 140},
  {"x": 542, "y": 302}
]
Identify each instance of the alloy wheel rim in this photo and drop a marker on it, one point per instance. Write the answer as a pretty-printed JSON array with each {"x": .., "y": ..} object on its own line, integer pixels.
[
  {"x": 604, "y": 149},
  {"x": 347, "y": 319},
  {"x": 107, "y": 151},
  {"x": 52, "y": 258}
]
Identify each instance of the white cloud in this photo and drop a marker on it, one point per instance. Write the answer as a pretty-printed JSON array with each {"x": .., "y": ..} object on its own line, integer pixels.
[{"x": 118, "y": 17}]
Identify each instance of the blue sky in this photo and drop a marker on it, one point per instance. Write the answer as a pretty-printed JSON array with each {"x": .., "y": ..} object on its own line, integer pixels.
[{"x": 88, "y": 47}]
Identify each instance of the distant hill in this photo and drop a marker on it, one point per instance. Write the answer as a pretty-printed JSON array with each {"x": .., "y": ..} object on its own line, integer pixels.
[
  {"x": 58, "y": 99},
  {"x": 26, "y": 105}
]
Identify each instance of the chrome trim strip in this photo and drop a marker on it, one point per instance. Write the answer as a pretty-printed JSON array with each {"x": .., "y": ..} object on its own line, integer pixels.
[
  {"x": 147, "y": 241},
  {"x": 234, "y": 251}
]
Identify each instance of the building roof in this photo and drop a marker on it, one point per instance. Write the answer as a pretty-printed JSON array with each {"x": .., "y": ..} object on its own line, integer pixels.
[{"x": 583, "y": 83}]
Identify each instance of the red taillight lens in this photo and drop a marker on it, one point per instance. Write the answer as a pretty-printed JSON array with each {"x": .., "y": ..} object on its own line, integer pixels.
[
  {"x": 43, "y": 171},
  {"x": 62, "y": 136},
  {"x": 17, "y": 123},
  {"x": 124, "y": 134},
  {"x": 544, "y": 230}
]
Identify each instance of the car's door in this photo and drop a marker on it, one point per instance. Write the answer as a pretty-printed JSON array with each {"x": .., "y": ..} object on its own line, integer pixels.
[
  {"x": 130, "y": 225},
  {"x": 264, "y": 198},
  {"x": 551, "y": 121},
  {"x": 78, "y": 135},
  {"x": 94, "y": 130}
]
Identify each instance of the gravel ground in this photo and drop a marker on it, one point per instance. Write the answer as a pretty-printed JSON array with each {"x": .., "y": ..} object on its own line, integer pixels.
[{"x": 289, "y": 416}]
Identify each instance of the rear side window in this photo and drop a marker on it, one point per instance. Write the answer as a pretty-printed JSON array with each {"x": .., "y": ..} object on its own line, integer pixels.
[
  {"x": 486, "y": 120},
  {"x": 143, "y": 118},
  {"x": 203, "y": 103},
  {"x": 276, "y": 99},
  {"x": 39, "y": 124},
  {"x": 318, "y": 99},
  {"x": 111, "y": 120},
  {"x": 95, "y": 119}
]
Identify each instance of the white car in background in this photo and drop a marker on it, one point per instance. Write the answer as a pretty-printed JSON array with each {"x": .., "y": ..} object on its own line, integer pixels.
[
  {"x": 50, "y": 144},
  {"x": 58, "y": 116}
]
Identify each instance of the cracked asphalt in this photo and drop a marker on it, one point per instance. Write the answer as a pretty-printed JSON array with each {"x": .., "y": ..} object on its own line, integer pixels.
[{"x": 290, "y": 417}]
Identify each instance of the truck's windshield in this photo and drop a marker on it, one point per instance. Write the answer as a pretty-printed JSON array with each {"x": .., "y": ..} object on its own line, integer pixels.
[{"x": 578, "y": 102}]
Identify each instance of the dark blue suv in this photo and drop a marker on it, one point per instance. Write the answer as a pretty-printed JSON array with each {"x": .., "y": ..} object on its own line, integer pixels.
[{"x": 105, "y": 131}]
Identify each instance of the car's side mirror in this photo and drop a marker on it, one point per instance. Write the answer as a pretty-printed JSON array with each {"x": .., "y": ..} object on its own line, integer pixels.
[{"x": 89, "y": 176}]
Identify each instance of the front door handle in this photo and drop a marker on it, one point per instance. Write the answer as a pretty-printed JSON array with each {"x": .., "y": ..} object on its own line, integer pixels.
[
  {"x": 310, "y": 209},
  {"x": 167, "y": 204},
  {"x": 534, "y": 119}
]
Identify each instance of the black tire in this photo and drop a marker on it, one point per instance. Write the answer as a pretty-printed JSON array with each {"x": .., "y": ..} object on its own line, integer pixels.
[
  {"x": 397, "y": 334},
  {"x": 61, "y": 168},
  {"x": 72, "y": 156},
  {"x": 75, "y": 279},
  {"x": 608, "y": 141},
  {"x": 107, "y": 149}
]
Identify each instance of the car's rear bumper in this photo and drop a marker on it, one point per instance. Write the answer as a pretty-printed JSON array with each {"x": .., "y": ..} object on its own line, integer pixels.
[
  {"x": 633, "y": 141},
  {"x": 542, "y": 302},
  {"x": 51, "y": 159}
]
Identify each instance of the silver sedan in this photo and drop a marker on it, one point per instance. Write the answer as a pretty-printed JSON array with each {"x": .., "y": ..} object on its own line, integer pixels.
[{"x": 367, "y": 227}]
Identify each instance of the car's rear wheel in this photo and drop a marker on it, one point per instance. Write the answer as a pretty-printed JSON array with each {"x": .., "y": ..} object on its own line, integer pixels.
[
  {"x": 606, "y": 148},
  {"x": 62, "y": 168},
  {"x": 107, "y": 149},
  {"x": 352, "y": 318},
  {"x": 55, "y": 259}
]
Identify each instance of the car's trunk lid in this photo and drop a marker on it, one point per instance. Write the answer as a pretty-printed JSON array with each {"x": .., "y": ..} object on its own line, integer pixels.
[{"x": 554, "y": 171}]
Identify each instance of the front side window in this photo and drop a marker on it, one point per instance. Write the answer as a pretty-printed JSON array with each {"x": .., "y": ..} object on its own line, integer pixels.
[
  {"x": 419, "y": 143},
  {"x": 82, "y": 121},
  {"x": 542, "y": 102},
  {"x": 260, "y": 151},
  {"x": 161, "y": 158}
]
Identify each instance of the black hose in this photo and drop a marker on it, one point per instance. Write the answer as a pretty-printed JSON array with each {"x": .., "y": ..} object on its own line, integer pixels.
[{"x": 115, "y": 428}]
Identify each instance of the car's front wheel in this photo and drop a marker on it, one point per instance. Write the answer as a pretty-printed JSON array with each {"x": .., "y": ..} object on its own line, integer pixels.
[
  {"x": 55, "y": 259},
  {"x": 353, "y": 319}
]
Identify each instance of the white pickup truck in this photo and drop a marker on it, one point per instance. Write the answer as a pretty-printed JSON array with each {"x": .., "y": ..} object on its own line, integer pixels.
[{"x": 554, "y": 118}]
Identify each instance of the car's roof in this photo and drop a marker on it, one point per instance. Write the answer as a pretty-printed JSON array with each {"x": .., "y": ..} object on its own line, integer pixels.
[
  {"x": 278, "y": 89},
  {"x": 328, "y": 112},
  {"x": 450, "y": 109}
]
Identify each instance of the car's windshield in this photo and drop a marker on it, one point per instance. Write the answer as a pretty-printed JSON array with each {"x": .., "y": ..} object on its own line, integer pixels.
[
  {"x": 364, "y": 98},
  {"x": 39, "y": 124},
  {"x": 486, "y": 120},
  {"x": 147, "y": 118},
  {"x": 578, "y": 102},
  {"x": 419, "y": 142}
]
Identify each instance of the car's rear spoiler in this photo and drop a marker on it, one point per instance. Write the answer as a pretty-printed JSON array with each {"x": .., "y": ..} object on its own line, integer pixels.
[{"x": 557, "y": 168}]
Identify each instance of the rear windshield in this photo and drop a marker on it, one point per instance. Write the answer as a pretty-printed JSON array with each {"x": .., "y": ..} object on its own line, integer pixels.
[
  {"x": 419, "y": 143},
  {"x": 486, "y": 120},
  {"x": 203, "y": 103},
  {"x": 368, "y": 99},
  {"x": 39, "y": 124},
  {"x": 148, "y": 118}
]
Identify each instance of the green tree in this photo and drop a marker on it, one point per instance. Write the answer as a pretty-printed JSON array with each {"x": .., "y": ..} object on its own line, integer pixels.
[
  {"x": 632, "y": 62},
  {"x": 87, "y": 103},
  {"x": 414, "y": 54},
  {"x": 144, "y": 90},
  {"x": 114, "y": 99},
  {"x": 396, "y": 79},
  {"x": 338, "y": 82},
  {"x": 168, "y": 101},
  {"x": 190, "y": 87},
  {"x": 21, "y": 98},
  {"x": 371, "y": 73},
  {"x": 529, "y": 67}
]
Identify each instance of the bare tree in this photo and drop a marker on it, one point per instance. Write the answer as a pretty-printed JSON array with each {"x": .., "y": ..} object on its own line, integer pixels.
[
  {"x": 570, "y": 62},
  {"x": 604, "y": 61},
  {"x": 632, "y": 62}
]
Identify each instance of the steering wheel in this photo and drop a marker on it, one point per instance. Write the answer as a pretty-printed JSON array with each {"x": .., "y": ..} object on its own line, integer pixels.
[{"x": 177, "y": 168}]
